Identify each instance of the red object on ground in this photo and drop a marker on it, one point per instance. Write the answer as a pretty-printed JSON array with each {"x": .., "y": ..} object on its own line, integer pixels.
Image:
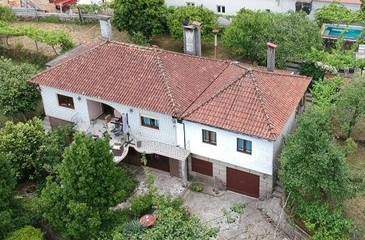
[
  {"x": 64, "y": 3},
  {"x": 147, "y": 220}
]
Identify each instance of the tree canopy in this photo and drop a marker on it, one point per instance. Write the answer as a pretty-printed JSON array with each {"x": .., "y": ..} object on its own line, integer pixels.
[
  {"x": 336, "y": 13},
  {"x": 17, "y": 95},
  {"x": 140, "y": 16},
  {"x": 186, "y": 15},
  {"x": 250, "y": 31},
  {"x": 77, "y": 201}
]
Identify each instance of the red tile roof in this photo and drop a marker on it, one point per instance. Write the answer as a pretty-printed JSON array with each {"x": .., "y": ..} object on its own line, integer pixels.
[{"x": 218, "y": 93}]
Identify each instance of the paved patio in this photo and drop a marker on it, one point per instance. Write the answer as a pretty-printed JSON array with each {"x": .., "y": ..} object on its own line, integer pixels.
[{"x": 216, "y": 212}]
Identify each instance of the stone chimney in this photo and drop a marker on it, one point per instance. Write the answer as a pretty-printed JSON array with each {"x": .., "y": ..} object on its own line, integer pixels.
[
  {"x": 106, "y": 27},
  {"x": 271, "y": 48},
  {"x": 192, "y": 39}
]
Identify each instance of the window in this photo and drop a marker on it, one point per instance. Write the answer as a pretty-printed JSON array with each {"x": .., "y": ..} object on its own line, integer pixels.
[
  {"x": 244, "y": 146},
  {"x": 65, "y": 101},
  {"x": 191, "y": 4},
  {"x": 221, "y": 9},
  {"x": 149, "y": 122},
  {"x": 209, "y": 137},
  {"x": 303, "y": 6}
]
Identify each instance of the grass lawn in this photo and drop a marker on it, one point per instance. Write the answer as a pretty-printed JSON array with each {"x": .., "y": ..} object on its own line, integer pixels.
[{"x": 355, "y": 207}]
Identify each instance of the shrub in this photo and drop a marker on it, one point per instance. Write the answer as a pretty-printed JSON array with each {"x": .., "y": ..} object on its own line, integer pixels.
[
  {"x": 26, "y": 233},
  {"x": 196, "y": 187},
  {"x": 324, "y": 92},
  {"x": 250, "y": 31},
  {"x": 133, "y": 230},
  {"x": 141, "y": 205},
  {"x": 336, "y": 13},
  {"x": 147, "y": 17},
  {"x": 183, "y": 15},
  {"x": 6, "y": 14},
  {"x": 325, "y": 223}
]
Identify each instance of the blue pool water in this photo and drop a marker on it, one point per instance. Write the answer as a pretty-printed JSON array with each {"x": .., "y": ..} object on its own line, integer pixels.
[{"x": 347, "y": 32}]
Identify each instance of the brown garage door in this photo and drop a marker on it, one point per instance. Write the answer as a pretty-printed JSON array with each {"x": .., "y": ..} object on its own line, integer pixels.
[
  {"x": 201, "y": 166},
  {"x": 158, "y": 162},
  {"x": 243, "y": 182}
]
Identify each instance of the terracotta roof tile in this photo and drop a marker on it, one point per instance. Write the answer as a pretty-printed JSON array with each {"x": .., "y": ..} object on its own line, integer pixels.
[{"x": 219, "y": 93}]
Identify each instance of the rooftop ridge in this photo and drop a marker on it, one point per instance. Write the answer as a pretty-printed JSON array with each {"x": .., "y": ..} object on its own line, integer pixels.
[
  {"x": 270, "y": 125},
  {"x": 280, "y": 73},
  {"x": 166, "y": 85},
  {"x": 216, "y": 94}
]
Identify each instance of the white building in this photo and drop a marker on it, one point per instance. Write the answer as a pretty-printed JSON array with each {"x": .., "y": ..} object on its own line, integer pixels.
[
  {"x": 211, "y": 119},
  {"x": 231, "y": 7}
]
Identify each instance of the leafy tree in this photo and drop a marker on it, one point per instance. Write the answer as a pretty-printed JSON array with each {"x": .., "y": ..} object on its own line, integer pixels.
[
  {"x": 77, "y": 201},
  {"x": 336, "y": 13},
  {"x": 250, "y": 31},
  {"x": 20, "y": 143},
  {"x": 7, "y": 188},
  {"x": 26, "y": 233},
  {"x": 186, "y": 15},
  {"x": 350, "y": 106},
  {"x": 313, "y": 166},
  {"x": 17, "y": 95},
  {"x": 140, "y": 16}
]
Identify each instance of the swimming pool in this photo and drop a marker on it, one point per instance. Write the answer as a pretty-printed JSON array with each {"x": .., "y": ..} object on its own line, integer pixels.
[{"x": 349, "y": 32}]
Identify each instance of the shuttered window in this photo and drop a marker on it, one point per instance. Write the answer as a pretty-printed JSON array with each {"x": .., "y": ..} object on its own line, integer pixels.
[{"x": 209, "y": 137}]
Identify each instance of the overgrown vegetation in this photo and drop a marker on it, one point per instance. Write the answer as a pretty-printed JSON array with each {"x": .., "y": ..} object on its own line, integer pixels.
[
  {"x": 18, "y": 98},
  {"x": 6, "y": 14},
  {"x": 52, "y": 38},
  {"x": 337, "y": 13},
  {"x": 250, "y": 31},
  {"x": 26, "y": 233},
  {"x": 187, "y": 15}
]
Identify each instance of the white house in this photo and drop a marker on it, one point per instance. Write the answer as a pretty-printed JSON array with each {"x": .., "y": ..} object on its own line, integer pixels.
[
  {"x": 193, "y": 116},
  {"x": 231, "y": 7}
]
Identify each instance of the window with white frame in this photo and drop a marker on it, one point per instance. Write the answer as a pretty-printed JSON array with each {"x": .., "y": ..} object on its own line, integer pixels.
[
  {"x": 209, "y": 137},
  {"x": 221, "y": 8},
  {"x": 244, "y": 146},
  {"x": 149, "y": 122}
]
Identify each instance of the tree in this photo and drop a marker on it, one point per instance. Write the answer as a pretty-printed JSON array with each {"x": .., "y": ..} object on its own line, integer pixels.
[
  {"x": 77, "y": 201},
  {"x": 17, "y": 95},
  {"x": 324, "y": 92},
  {"x": 183, "y": 15},
  {"x": 7, "y": 189},
  {"x": 336, "y": 13},
  {"x": 250, "y": 31},
  {"x": 313, "y": 166},
  {"x": 140, "y": 16},
  {"x": 20, "y": 143},
  {"x": 7, "y": 14},
  {"x": 350, "y": 106}
]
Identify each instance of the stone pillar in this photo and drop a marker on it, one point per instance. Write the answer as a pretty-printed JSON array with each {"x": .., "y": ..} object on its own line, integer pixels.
[{"x": 184, "y": 170}]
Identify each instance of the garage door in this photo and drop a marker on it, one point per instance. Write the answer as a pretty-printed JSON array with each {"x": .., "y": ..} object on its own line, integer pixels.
[
  {"x": 158, "y": 162},
  {"x": 201, "y": 166},
  {"x": 243, "y": 182}
]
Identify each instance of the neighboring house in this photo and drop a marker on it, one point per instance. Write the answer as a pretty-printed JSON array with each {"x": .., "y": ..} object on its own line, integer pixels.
[
  {"x": 212, "y": 119},
  {"x": 231, "y": 7}
]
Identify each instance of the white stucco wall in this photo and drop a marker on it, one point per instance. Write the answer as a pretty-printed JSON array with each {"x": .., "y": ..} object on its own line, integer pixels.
[
  {"x": 165, "y": 134},
  {"x": 261, "y": 159},
  {"x": 289, "y": 127},
  {"x": 233, "y": 6}
]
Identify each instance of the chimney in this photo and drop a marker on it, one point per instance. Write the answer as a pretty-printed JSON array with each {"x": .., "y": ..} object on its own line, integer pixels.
[
  {"x": 271, "y": 47},
  {"x": 106, "y": 27},
  {"x": 192, "y": 39}
]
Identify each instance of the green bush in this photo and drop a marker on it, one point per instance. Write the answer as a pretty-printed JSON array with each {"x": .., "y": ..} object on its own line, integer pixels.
[
  {"x": 141, "y": 205},
  {"x": 337, "y": 13},
  {"x": 6, "y": 14},
  {"x": 182, "y": 15},
  {"x": 293, "y": 33},
  {"x": 196, "y": 187},
  {"x": 324, "y": 223},
  {"x": 26, "y": 233}
]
